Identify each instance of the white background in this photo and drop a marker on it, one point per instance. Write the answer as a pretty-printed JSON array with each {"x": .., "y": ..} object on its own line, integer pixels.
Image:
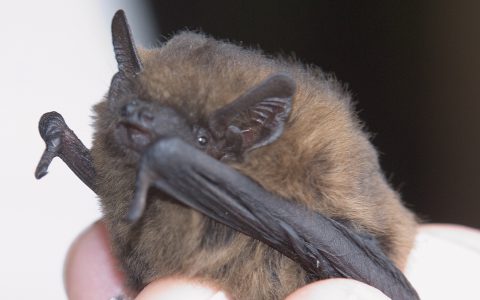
[{"x": 55, "y": 55}]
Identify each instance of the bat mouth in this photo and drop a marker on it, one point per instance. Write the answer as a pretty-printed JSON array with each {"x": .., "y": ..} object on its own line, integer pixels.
[{"x": 133, "y": 136}]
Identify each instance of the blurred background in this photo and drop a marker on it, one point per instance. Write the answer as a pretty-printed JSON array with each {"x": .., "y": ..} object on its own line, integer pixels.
[{"x": 413, "y": 68}]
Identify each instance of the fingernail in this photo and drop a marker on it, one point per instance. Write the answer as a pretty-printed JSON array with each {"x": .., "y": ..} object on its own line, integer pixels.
[
  {"x": 341, "y": 289},
  {"x": 219, "y": 296},
  {"x": 165, "y": 289}
]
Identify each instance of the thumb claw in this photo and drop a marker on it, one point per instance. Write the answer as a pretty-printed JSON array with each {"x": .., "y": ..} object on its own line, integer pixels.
[
  {"x": 40, "y": 172},
  {"x": 139, "y": 200},
  {"x": 44, "y": 163}
]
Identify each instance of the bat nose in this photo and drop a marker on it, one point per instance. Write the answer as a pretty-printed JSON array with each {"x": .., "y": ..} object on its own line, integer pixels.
[
  {"x": 137, "y": 112},
  {"x": 129, "y": 109}
]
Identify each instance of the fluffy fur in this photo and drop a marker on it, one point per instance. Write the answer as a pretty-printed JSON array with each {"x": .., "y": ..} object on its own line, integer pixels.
[{"x": 323, "y": 159}]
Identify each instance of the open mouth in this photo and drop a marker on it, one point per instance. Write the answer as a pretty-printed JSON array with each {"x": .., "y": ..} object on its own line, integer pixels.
[{"x": 133, "y": 136}]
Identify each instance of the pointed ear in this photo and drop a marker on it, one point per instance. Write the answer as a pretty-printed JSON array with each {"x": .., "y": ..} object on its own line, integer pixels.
[
  {"x": 256, "y": 118},
  {"x": 123, "y": 45}
]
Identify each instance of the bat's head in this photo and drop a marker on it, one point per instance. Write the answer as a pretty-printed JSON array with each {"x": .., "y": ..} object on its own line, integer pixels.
[{"x": 144, "y": 107}]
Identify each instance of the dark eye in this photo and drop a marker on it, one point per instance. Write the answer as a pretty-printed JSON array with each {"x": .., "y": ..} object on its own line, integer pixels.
[
  {"x": 203, "y": 137},
  {"x": 202, "y": 140}
]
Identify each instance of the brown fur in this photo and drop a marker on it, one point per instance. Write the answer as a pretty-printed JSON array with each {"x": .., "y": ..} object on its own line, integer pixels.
[{"x": 323, "y": 159}]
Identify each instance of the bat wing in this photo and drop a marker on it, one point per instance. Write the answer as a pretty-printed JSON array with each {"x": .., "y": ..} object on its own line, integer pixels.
[
  {"x": 324, "y": 247},
  {"x": 61, "y": 141}
]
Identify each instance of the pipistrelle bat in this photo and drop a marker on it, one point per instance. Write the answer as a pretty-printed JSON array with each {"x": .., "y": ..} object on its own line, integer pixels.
[{"x": 217, "y": 162}]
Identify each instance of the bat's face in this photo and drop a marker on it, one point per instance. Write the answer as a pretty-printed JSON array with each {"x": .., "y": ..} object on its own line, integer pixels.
[
  {"x": 136, "y": 120},
  {"x": 167, "y": 93},
  {"x": 154, "y": 96}
]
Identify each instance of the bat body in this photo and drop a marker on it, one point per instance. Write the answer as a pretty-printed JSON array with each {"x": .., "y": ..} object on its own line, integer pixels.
[{"x": 198, "y": 113}]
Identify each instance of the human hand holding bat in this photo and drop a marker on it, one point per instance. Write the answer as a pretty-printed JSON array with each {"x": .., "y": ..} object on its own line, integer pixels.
[
  {"x": 90, "y": 273},
  {"x": 92, "y": 249}
]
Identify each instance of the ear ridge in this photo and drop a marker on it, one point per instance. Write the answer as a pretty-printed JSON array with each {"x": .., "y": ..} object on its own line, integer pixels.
[
  {"x": 257, "y": 116},
  {"x": 279, "y": 86},
  {"x": 272, "y": 113},
  {"x": 124, "y": 46}
]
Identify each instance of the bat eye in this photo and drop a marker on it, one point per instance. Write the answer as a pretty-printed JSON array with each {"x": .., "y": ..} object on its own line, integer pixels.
[
  {"x": 202, "y": 137},
  {"x": 202, "y": 140}
]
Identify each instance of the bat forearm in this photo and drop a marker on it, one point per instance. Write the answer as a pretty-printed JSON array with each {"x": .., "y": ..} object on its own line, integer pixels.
[
  {"x": 324, "y": 247},
  {"x": 61, "y": 141}
]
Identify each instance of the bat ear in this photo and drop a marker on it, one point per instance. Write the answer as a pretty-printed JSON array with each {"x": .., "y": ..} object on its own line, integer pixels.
[
  {"x": 257, "y": 117},
  {"x": 123, "y": 45}
]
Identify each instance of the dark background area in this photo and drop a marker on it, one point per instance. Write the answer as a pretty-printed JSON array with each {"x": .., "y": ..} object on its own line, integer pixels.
[{"x": 413, "y": 69}]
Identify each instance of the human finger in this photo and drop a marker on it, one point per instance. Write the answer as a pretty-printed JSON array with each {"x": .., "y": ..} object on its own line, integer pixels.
[
  {"x": 341, "y": 289},
  {"x": 444, "y": 262},
  {"x": 90, "y": 269},
  {"x": 177, "y": 288}
]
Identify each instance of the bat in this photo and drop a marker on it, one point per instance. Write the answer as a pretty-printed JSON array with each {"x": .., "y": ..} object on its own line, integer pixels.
[{"x": 217, "y": 162}]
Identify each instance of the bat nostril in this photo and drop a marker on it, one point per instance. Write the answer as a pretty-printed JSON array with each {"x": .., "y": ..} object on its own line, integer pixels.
[
  {"x": 137, "y": 112},
  {"x": 128, "y": 109}
]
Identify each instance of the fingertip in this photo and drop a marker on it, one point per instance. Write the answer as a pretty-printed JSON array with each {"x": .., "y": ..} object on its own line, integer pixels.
[
  {"x": 337, "y": 289},
  {"x": 90, "y": 270},
  {"x": 454, "y": 232},
  {"x": 444, "y": 261},
  {"x": 174, "y": 288}
]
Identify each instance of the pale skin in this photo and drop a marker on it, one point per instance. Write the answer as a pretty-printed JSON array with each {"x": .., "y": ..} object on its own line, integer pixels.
[{"x": 91, "y": 272}]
